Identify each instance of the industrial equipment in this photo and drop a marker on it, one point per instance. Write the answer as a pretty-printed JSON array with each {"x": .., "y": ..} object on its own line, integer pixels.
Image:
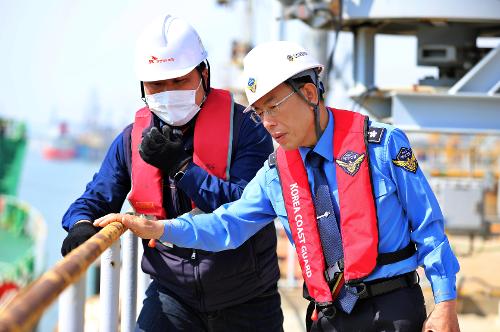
[{"x": 452, "y": 118}]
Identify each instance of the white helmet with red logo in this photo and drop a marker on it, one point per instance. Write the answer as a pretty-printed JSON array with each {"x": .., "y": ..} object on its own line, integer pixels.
[
  {"x": 272, "y": 63},
  {"x": 168, "y": 48}
]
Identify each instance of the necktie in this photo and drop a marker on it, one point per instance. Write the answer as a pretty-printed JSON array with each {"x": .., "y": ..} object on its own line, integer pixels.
[{"x": 328, "y": 228}]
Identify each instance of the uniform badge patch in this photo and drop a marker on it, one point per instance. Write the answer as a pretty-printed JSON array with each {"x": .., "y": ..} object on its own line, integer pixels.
[
  {"x": 406, "y": 160},
  {"x": 252, "y": 85},
  {"x": 350, "y": 162},
  {"x": 375, "y": 134}
]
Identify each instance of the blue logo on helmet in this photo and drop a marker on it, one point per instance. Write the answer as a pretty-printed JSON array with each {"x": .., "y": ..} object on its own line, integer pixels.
[{"x": 252, "y": 85}]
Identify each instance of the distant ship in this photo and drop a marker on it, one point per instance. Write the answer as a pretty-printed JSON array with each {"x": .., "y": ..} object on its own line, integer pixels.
[
  {"x": 22, "y": 230},
  {"x": 61, "y": 145},
  {"x": 92, "y": 144}
]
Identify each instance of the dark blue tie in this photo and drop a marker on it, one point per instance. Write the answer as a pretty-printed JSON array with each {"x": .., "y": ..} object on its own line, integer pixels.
[{"x": 329, "y": 233}]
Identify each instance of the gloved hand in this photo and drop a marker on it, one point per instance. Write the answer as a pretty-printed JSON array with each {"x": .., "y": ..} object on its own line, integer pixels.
[
  {"x": 164, "y": 150},
  {"x": 79, "y": 233}
]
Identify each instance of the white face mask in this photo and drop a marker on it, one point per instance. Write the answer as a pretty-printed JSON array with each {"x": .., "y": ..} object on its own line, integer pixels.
[{"x": 175, "y": 107}]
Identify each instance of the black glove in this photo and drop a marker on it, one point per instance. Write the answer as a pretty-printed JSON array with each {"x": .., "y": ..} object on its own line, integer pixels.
[
  {"x": 164, "y": 150},
  {"x": 79, "y": 233}
]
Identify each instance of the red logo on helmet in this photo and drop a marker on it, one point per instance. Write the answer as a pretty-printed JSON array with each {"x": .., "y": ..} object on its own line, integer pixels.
[{"x": 156, "y": 60}]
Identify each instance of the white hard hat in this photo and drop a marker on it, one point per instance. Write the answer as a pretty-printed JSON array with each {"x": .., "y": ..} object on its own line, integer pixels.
[
  {"x": 270, "y": 64},
  {"x": 168, "y": 48}
]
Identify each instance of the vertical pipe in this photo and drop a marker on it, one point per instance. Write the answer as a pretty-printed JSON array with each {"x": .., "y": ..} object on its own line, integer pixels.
[
  {"x": 72, "y": 307},
  {"x": 498, "y": 192},
  {"x": 249, "y": 23},
  {"x": 364, "y": 58},
  {"x": 282, "y": 24},
  {"x": 143, "y": 279},
  {"x": 110, "y": 286},
  {"x": 129, "y": 286},
  {"x": 322, "y": 37},
  {"x": 91, "y": 284}
]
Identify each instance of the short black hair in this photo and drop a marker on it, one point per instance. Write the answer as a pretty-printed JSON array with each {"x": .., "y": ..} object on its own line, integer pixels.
[
  {"x": 299, "y": 82},
  {"x": 201, "y": 66}
]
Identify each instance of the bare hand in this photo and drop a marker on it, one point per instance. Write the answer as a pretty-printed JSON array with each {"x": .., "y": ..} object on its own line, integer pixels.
[
  {"x": 142, "y": 227},
  {"x": 443, "y": 318}
]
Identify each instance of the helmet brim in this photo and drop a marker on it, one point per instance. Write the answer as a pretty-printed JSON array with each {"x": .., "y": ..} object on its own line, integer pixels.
[{"x": 159, "y": 75}]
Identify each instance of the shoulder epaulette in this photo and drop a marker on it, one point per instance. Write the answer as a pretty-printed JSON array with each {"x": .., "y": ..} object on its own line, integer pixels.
[{"x": 374, "y": 134}]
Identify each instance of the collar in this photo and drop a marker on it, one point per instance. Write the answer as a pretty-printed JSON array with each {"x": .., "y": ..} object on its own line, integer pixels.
[{"x": 324, "y": 146}]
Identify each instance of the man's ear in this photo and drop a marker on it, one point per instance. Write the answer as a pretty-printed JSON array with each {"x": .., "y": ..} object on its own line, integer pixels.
[{"x": 310, "y": 92}]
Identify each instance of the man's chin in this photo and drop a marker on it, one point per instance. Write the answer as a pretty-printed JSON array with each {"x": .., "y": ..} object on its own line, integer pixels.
[{"x": 288, "y": 146}]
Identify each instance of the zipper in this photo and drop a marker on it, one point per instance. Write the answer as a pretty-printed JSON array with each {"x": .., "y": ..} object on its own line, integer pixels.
[{"x": 197, "y": 279}]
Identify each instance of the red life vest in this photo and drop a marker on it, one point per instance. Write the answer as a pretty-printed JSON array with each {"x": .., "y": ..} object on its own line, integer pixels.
[
  {"x": 358, "y": 218},
  {"x": 212, "y": 151}
]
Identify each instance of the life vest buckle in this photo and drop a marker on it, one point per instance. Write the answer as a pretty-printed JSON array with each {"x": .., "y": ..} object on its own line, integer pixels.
[
  {"x": 332, "y": 272},
  {"x": 328, "y": 311}
]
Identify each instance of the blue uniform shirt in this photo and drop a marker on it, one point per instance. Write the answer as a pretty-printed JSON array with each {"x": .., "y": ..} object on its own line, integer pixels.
[{"x": 406, "y": 209}]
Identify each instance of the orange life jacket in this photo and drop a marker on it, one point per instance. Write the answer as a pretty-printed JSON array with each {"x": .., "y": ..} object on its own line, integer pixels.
[
  {"x": 358, "y": 218},
  {"x": 212, "y": 151}
]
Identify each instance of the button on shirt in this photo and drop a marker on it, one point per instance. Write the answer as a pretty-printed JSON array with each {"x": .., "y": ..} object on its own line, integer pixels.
[{"x": 406, "y": 208}]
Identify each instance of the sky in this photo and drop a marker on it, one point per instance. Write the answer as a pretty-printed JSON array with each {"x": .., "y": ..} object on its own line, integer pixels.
[{"x": 59, "y": 58}]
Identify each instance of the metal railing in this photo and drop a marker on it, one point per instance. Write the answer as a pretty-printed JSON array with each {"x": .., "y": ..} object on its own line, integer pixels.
[
  {"x": 120, "y": 295},
  {"x": 26, "y": 308},
  {"x": 122, "y": 286}
]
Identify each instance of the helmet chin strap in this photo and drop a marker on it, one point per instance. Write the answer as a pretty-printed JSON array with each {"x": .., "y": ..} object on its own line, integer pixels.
[
  {"x": 143, "y": 94},
  {"x": 206, "y": 85},
  {"x": 317, "y": 127}
]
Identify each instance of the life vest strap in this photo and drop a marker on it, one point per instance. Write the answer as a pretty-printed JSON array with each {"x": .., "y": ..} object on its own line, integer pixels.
[
  {"x": 382, "y": 259},
  {"x": 386, "y": 285},
  {"x": 396, "y": 256}
]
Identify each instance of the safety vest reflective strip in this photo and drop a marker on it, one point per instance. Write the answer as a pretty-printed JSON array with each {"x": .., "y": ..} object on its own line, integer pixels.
[
  {"x": 358, "y": 219},
  {"x": 212, "y": 151}
]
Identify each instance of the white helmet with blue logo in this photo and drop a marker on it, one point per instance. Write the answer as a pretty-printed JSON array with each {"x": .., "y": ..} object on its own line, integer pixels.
[
  {"x": 272, "y": 63},
  {"x": 168, "y": 48}
]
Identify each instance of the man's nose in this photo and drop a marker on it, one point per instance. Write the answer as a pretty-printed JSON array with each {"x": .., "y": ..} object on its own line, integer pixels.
[{"x": 268, "y": 122}]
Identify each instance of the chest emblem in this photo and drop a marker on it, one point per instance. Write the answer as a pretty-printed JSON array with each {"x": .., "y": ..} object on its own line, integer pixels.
[{"x": 350, "y": 162}]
